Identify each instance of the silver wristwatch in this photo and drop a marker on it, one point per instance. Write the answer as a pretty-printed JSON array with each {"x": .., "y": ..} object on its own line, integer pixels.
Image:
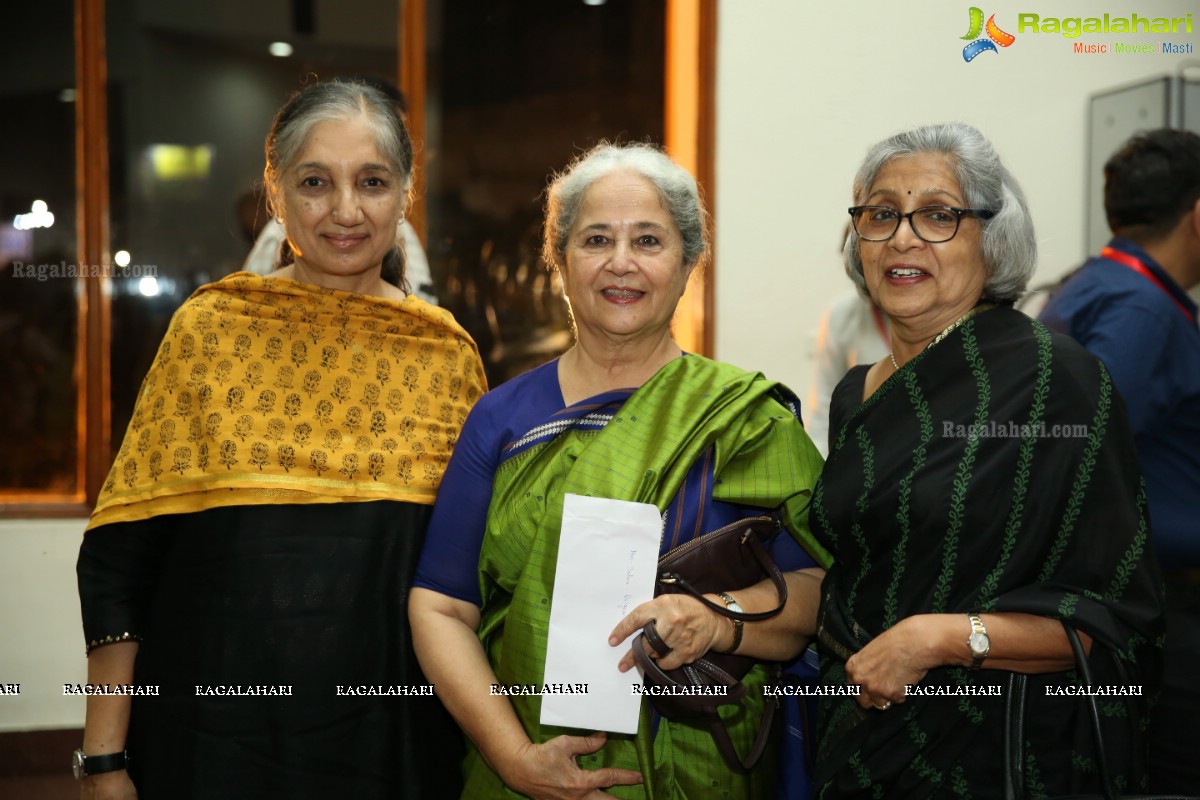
[{"x": 978, "y": 642}]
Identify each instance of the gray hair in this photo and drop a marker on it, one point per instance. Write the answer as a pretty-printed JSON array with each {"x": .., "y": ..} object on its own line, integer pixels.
[
  {"x": 337, "y": 100},
  {"x": 334, "y": 100},
  {"x": 1007, "y": 245},
  {"x": 675, "y": 185}
]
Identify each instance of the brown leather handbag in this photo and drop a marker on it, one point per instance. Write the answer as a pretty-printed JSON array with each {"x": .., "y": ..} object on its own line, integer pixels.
[{"x": 725, "y": 560}]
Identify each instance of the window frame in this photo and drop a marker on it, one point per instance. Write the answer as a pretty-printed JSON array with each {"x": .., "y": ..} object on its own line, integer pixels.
[
  {"x": 90, "y": 373},
  {"x": 690, "y": 56}
]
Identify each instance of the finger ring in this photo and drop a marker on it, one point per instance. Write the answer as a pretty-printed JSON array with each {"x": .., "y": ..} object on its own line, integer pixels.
[{"x": 884, "y": 706}]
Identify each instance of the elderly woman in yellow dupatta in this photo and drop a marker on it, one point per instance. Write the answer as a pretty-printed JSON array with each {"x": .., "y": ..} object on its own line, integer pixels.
[
  {"x": 251, "y": 550},
  {"x": 623, "y": 414}
]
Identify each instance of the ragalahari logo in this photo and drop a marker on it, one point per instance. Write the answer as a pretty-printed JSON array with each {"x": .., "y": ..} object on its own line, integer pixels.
[{"x": 995, "y": 36}]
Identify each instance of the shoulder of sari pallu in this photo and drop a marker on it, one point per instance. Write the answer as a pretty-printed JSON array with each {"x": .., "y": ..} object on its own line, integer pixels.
[
  {"x": 595, "y": 412},
  {"x": 590, "y": 414}
]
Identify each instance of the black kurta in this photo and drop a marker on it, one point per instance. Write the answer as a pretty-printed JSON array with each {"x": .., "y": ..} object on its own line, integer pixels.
[{"x": 313, "y": 597}]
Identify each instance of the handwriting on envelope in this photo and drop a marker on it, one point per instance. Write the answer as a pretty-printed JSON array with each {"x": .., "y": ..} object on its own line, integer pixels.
[{"x": 607, "y": 560}]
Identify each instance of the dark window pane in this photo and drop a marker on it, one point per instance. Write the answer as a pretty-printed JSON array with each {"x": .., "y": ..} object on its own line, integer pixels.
[
  {"x": 38, "y": 283},
  {"x": 515, "y": 90},
  {"x": 193, "y": 92}
]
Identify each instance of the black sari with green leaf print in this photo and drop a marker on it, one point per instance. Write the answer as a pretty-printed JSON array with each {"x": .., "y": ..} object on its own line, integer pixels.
[{"x": 993, "y": 472}]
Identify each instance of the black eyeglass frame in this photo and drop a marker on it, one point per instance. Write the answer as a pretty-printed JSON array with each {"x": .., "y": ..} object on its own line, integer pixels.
[{"x": 959, "y": 213}]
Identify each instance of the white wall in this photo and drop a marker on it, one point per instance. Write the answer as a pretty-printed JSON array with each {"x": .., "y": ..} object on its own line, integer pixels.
[
  {"x": 805, "y": 88},
  {"x": 41, "y": 637}
]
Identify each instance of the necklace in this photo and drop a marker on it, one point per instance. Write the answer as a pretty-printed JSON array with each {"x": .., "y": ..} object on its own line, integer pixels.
[{"x": 945, "y": 333}]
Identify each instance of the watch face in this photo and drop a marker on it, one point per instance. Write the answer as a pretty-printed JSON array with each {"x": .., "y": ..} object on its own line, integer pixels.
[
  {"x": 730, "y": 603},
  {"x": 77, "y": 764},
  {"x": 979, "y": 643}
]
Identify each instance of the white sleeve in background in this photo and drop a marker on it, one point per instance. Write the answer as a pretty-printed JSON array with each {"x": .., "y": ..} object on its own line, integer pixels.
[
  {"x": 416, "y": 265},
  {"x": 264, "y": 257},
  {"x": 848, "y": 336}
]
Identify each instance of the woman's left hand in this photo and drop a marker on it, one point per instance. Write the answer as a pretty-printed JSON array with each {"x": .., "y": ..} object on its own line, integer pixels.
[
  {"x": 893, "y": 660},
  {"x": 683, "y": 623}
]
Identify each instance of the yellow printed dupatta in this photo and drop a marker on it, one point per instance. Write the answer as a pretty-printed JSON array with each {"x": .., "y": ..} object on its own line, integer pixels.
[{"x": 271, "y": 391}]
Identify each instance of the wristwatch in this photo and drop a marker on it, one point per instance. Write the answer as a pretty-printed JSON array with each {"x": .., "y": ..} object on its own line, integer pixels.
[
  {"x": 732, "y": 605},
  {"x": 83, "y": 766},
  {"x": 978, "y": 641}
]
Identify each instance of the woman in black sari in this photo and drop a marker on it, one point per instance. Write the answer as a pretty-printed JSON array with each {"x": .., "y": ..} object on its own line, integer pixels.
[{"x": 981, "y": 487}]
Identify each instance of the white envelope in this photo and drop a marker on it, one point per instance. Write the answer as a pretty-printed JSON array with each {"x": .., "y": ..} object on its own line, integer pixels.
[{"x": 607, "y": 560}]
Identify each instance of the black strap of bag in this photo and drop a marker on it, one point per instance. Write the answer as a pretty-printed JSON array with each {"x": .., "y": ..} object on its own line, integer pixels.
[
  {"x": 728, "y": 559},
  {"x": 1014, "y": 734}
]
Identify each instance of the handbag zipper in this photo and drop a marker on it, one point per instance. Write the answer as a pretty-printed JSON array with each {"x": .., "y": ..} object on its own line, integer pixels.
[{"x": 699, "y": 539}]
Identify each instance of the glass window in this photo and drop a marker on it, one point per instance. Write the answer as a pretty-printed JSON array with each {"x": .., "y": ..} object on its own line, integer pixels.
[
  {"x": 193, "y": 89},
  {"x": 514, "y": 92},
  {"x": 39, "y": 277}
]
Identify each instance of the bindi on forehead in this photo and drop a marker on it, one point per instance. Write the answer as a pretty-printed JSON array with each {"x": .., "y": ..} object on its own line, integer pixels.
[{"x": 931, "y": 193}]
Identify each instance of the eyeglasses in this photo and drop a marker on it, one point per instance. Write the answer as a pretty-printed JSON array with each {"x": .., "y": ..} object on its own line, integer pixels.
[{"x": 933, "y": 224}]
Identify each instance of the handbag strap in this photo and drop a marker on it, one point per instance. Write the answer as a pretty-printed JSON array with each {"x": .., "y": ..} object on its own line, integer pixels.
[
  {"x": 736, "y": 690},
  {"x": 769, "y": 567},
  {"x": 650, "y": 631},
  {"x": 1014, "y": 725},
  {"x": 1085, "y": 675},
  {"x": 720, "y": 735},
  {"x": 1014, "y": 736}
]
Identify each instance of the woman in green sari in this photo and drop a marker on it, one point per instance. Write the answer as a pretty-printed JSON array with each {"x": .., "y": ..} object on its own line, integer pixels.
[{"x": 623, "y": 414}]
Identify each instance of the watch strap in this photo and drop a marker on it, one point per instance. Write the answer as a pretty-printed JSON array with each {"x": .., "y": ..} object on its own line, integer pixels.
[
  {"x": 732, "y": 604},
  {"x": 100, "y": 764}
]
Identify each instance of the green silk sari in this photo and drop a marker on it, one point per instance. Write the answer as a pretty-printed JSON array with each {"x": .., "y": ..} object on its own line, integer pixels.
[{"x": 692, "y": 406}]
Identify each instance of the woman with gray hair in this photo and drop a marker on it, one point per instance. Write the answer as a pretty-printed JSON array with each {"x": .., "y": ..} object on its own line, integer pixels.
[
  {"x": 250, "y": 553},
  {"x": 981, "y": 490},
  {"x": 623, "y": 414}
]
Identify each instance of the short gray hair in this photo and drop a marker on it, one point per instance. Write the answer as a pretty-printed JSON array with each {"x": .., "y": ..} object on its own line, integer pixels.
[
  {"x": 675, "y": 185},
  {"x": 1008, "y": 245}
]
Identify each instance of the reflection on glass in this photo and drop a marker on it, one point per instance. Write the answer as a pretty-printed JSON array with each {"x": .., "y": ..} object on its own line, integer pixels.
[
  {"x": 38, "y": 270},
  {"x": 193, "y": 88},
  {"x": 515, "y": 90}
]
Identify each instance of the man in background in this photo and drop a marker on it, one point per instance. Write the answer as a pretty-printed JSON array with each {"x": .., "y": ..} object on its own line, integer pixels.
[{"x": 1129, "y": 306}]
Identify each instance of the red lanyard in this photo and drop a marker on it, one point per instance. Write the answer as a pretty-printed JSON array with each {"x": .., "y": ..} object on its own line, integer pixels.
[{"x": 1137, "y": 266}]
